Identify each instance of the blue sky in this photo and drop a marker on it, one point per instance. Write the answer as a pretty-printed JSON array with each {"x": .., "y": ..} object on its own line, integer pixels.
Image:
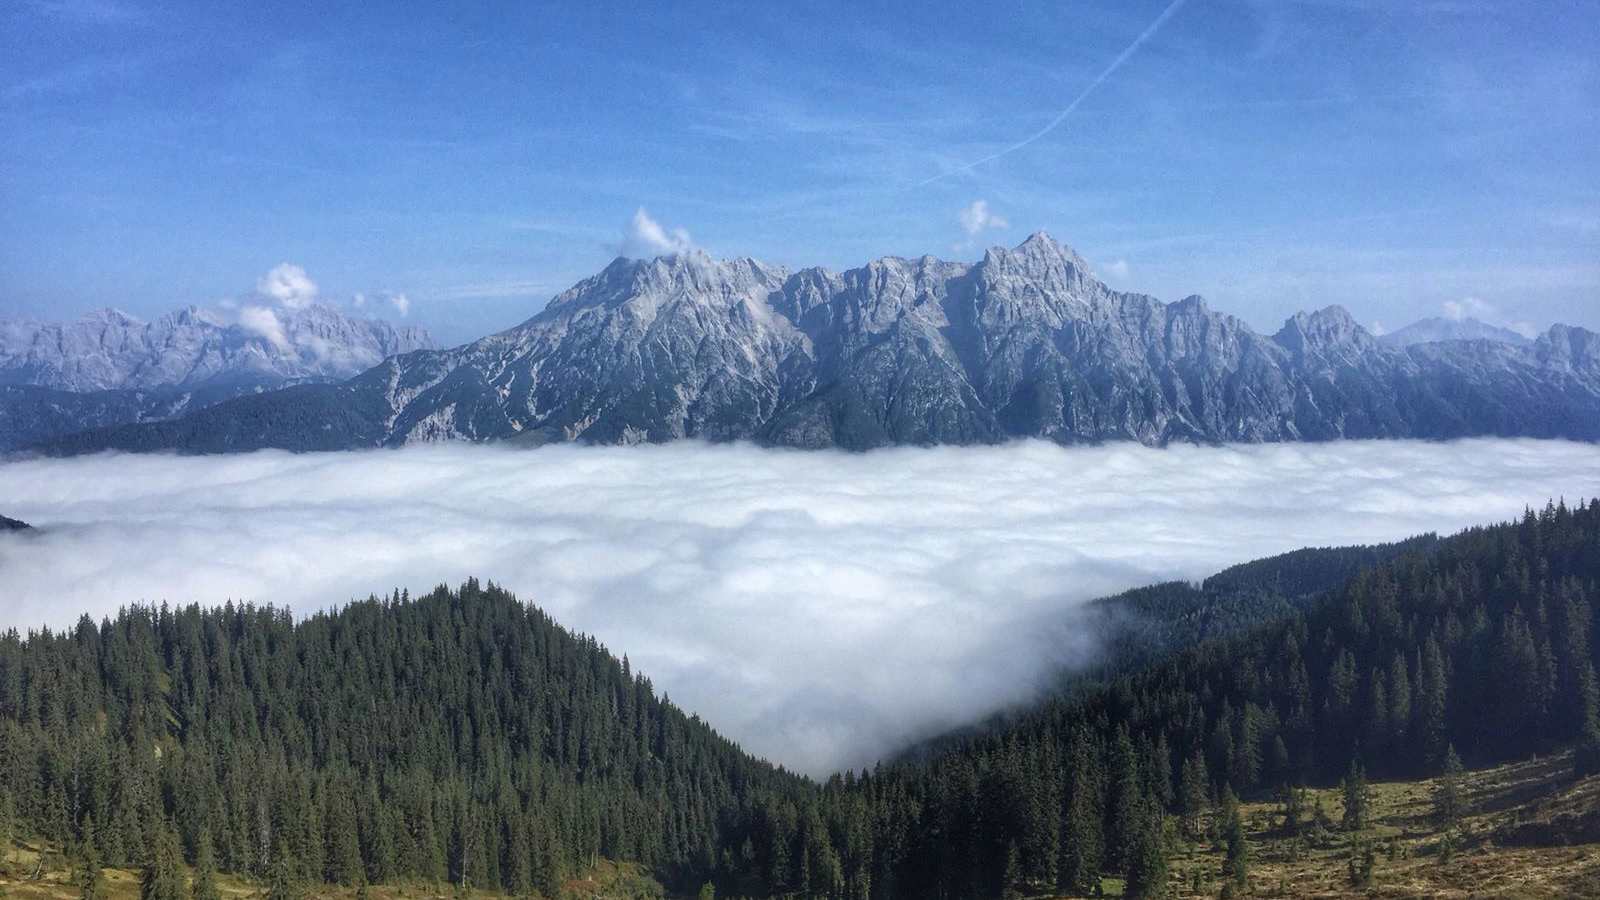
[{"x": 1400, "y": 159}]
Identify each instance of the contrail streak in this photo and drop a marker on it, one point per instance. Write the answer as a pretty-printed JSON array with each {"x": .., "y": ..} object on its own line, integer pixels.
[{"x": 1062, "y": 116}]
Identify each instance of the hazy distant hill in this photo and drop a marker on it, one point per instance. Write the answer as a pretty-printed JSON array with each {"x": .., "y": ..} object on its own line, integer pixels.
[
  {"x": 1025, "y": 343},
  {"x": 1429, "y": 331}
]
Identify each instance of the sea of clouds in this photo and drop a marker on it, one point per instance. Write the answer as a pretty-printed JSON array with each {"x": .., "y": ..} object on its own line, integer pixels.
[{"x": 822, "y": 608}]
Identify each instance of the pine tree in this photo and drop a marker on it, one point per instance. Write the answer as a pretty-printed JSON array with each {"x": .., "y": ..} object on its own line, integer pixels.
[
  {"x": 1081, "y": 834},
  {"x": 1432, "y": 730},
  {"x": 1356, "y": 798},
  {"x": 1294, "y": 810},
  {"x": 1236, "y": 866},
  {"x": 1147, "y": 858},
  {"x": 1586, "y": 757},
  {"x": 163, "y": 874},
  {"x": 1192, "y": 796},
  {"x": 204, "y": 886},
  {"x": 90, "y": 879},
  {"x": 285, "y": 883},
  {"x": 7, "y": 827},
  {"x": 1127, "y": 803},
  {"x": 1399, "y": 702},
  {"x": 1011, "y": 876},
  {"x": 343, "y": 842},
  {"x": 1447, "y": 802}
]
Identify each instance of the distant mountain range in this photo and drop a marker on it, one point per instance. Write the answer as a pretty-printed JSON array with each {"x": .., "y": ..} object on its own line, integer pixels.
[
  {"x": 1024, "y": 343},
  {"x": 193, "y": 348},
  {"x": 9, "y": 524},
  {"x": 1430, "y": 331},
  {"x": 109, "y": 368}
]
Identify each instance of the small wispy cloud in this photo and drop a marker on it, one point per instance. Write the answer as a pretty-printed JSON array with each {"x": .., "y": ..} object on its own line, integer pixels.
[
  {"x": 645, "y": 238},
  {"x": 401, "y": 304},
  {"x": 1116, "y": 269}
]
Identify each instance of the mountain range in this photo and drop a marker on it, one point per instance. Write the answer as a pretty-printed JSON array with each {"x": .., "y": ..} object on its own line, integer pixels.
[
  {"x": 1024, "y": 343},
  {"x": 110, "y": 368}
]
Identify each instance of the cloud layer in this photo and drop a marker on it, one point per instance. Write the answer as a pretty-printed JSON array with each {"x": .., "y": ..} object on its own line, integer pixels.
[{"x": 821, "y": 608}]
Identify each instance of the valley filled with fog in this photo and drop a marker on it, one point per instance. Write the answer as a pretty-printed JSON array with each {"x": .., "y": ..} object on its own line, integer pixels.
[{"x": 822, "y": 608}]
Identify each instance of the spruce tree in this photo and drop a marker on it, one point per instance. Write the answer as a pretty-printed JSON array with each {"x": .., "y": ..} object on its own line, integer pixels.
[
  {"x": 1447, "y": 802},
  {"x": 204, "y": 886},
  {"x": 1127, "y": 803},
  {"x": 1081, "y": 834},
  {"x": 1236, "y": 865},
  {"x": 1011, "y": 875},
  {"x": 1432, "y": 730},
  {"x": 1147, "y": 857},
  {"x": 1586, "y": 757},
  {"x": 90, "y": 879},
  {"x": 1356, "y": 798},
  {"x": 285, "y": 883},
  {"x": 163, "y": 874},
  {"x": 1192, "y": 798}
]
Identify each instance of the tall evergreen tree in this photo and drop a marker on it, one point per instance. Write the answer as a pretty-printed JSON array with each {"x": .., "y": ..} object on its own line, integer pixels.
[
  {"x": 1357, "y": 798},
  {"x": 1236, "y": 864},
  {"x": 1447, "y": 800},
  {"x": 163, "y": 874},
  {"x": 1147, "y": 857},
  {"x": 91, "y": 881}
]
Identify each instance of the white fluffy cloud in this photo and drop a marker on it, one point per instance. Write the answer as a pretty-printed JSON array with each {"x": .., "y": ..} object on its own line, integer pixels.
[
  {"x": 1117, "y": 269},
  {"x": 646, "y": 238},
  {"x": 288, "y": 285},
  {"x": 264, "y": 322},
  {"x": 822, "y": 608},
  {"x": 978, "y": 218},
  {"x": 401, "y": 304}
]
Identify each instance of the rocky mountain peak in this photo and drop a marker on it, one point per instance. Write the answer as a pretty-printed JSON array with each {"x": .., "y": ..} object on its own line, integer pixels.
[
  {"x": 1038, "y": 264},
  {"x": 1330, "y": 329}
]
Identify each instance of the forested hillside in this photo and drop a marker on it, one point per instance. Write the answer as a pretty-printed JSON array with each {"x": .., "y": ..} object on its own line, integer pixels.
[
  {"x": 464, "y": 737},
  {"x": 1482, "y": 645}
]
